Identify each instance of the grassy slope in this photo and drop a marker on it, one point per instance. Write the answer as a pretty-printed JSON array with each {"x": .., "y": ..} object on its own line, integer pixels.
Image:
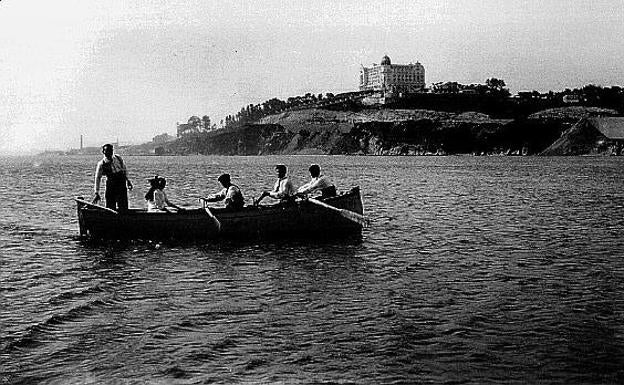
[{"x": 388, "y": 131}]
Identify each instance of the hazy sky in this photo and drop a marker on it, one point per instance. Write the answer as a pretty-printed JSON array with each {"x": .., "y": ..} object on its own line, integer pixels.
[{"x": 132, "y": 69}]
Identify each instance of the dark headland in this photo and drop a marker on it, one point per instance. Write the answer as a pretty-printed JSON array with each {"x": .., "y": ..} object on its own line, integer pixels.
[{"x": 484, "y": 121}]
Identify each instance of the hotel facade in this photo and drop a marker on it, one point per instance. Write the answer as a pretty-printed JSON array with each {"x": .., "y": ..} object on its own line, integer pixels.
[{"x": 392, "y": 78}]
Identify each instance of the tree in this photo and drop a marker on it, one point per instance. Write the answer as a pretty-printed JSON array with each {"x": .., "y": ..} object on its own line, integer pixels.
[
  {"x": 496, "y": 84},
  {"x": 206, "y": 122},
  {"x": 194, "y": 121}
]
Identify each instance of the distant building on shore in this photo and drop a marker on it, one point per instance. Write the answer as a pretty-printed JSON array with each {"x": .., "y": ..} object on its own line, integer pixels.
[
  {"x": 185, "y": 129},
  {"x": 393, "y": 78},
  {"x": 162, "y": 138},
  {"x": 572, "y": 99},
  {"x": 612, "y": 133}
]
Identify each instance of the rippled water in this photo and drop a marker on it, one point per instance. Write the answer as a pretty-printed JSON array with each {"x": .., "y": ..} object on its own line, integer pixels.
[{"x": 475, "y": 270}]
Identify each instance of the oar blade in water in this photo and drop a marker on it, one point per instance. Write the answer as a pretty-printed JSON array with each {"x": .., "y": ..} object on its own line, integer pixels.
[{"x": 350, "y": 215}]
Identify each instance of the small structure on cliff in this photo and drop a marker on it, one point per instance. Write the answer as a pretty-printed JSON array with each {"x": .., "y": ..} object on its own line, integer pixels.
[
  {"x": 612, "y": 128},
  {"x": 163, "y": 138},
  {"x": 593, "y": 135},
  {"x": 185, "y": 129}
]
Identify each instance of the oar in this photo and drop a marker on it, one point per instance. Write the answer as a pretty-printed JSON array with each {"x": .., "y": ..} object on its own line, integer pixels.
[
  {"x": 348, "y": 214},
  {"x": 204, "y": 204},
  {"x": 94, "y": 206},
  {"x": 214, "y": 218}
]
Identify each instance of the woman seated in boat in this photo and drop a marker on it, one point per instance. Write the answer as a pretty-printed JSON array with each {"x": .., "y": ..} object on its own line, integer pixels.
[
  {"x": 156, "y": 197},
  {"x": 317, "y": 182},
  {"x": 231, "y": 193}
]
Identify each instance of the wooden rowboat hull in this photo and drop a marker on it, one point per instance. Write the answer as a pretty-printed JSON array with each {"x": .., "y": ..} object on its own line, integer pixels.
[{"x": 299, "y": 219}]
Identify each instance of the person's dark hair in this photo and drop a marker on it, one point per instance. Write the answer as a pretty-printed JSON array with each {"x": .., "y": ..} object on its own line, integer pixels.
[
  {"x": 315, "y": 170},
  {"x": 162, "y": 182},
  {"x": 153, "y": 186},
  {"x": 224, "y": 178},
  {"x": 281, "y": 167},
  {"x": 107, "y": 146}
]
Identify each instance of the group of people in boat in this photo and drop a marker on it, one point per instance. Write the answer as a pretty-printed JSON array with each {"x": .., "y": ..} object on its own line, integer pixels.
[{"x": 118, "y": 184}]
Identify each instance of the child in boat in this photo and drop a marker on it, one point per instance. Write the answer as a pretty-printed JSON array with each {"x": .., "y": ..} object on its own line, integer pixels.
[
  {"x": 156, "y": 197},
  {"x": 149, "y": 196}
]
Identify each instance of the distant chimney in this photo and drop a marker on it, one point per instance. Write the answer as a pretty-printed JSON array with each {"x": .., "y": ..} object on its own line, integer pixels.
[{"x": 81, "y": 141}]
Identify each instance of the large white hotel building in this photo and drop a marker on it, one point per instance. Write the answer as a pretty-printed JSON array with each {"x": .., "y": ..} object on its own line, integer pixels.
[{"x": 392, "y": 78}]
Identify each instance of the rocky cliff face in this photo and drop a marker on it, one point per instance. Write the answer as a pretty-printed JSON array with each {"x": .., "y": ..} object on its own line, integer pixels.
[{"x": 387, "y": 132}]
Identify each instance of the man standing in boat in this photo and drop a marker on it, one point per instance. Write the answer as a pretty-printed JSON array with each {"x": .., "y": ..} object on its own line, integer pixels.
[
  {"x": 114, "y": 169},
  {"x": 317, "y": 182},
  {"x": 231, "y": 193},
  {"x": 283, "y": 189}
]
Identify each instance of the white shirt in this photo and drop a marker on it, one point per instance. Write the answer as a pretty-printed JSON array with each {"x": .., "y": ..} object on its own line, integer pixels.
[
  {"x": 227, "y": 193},
  {"x": 283, "y": 188},
  {"x": 160, "y": 201},
  {"x": 116, "y": 166},
  {"x": 315, "y": 184}
]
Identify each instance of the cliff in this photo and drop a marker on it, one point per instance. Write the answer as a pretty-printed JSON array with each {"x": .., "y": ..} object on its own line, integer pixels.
[{"x": 387, "y": 132}]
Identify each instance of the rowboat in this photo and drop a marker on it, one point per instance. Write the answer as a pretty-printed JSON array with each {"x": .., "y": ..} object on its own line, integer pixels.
[{"x": 337, "y": 216}]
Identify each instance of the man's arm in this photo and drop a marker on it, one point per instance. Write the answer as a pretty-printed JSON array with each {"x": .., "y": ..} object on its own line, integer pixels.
[
  {"x": 98, "y": 177},
  {"x": 264, "y": 194},
  {"x": 311, "y": 186},
  {"x": 305, "y": 188},
  {"x": 276, "y": 194},
  {"x": 125, "y": 172},
  {"x": 98, "y": 180},
  {"x": 314, "y": 185},
  {"x": 215, "y": 197}
]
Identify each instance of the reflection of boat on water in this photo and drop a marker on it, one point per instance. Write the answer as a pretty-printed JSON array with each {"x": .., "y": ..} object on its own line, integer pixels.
[{"x": 336, "y": 217}]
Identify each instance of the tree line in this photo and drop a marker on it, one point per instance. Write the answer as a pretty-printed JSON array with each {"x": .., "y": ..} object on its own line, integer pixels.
[
  {"x": 491, "y": 97},
  {"x": 254, "y": 112}
]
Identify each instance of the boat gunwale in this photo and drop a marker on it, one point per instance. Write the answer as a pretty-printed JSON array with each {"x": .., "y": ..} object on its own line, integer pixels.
[
  {"x": 96, "y": 222},
  {"x": 354, "y": 193}
]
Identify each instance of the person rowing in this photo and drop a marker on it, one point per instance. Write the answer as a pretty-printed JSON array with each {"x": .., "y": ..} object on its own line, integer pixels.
[
  {"x": 317, "y": 182},
  {"x": 283, "y": 188},
  {"x": 231, "y": 194}
]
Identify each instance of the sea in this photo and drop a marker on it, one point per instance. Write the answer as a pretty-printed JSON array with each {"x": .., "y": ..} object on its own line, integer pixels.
[{"x": 474, "y": 270}]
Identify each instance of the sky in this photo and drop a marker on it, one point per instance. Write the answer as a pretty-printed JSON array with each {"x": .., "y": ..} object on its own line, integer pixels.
[{"x": 126, "y": 71}]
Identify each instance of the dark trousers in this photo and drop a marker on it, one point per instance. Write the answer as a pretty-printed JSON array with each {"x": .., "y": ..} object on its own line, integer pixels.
[{"x": 116, "y": 192}]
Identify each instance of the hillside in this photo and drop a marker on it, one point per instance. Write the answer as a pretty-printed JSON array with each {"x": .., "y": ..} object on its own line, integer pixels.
[
  {"x": 316, "y": 119},
  {"x": 388, "y": 132}
]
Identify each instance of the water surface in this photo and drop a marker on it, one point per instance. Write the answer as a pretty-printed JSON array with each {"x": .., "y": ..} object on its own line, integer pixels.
[{"x": 475, "y": 270}]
